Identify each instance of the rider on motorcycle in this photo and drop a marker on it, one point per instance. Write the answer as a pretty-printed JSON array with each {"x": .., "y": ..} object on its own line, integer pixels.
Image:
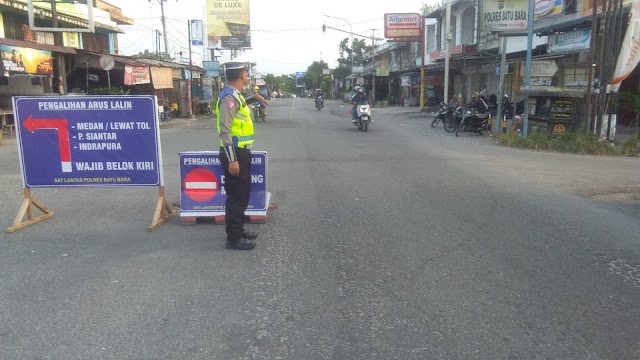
[
  {"x": 319, "y": 97},
  {"x": 454, "y": 102},
  {"x": 481, "y": 107},
  {"x": 260, "y": 99},
  {"x": 358, "y": 98}
]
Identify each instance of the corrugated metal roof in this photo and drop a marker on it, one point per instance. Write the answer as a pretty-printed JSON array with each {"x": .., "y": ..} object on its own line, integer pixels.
[
  {"x": 33, "y": 45},
  {"x": 127, "y": 60}
]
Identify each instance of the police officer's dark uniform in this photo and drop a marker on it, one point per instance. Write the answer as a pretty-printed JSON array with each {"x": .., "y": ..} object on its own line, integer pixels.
[{"x": 235, "y": 129}]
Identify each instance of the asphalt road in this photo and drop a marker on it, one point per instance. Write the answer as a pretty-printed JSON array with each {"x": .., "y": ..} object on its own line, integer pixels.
[{"x": 401, "y": 243}]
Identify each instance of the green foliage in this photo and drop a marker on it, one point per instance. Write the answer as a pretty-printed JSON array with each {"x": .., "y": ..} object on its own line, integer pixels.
[
  {"x": 630, "y": 103},
  {"x": 282, "y": 82},
  {"x": 428, "y": 8},
  {"x": 360, "y": 48},
  {"x": 314, "y": 77},
  {"x": 106, "y": 91},
  {"x": 577, "y": 142},
  {"x": 341, "y": 72},
  {"x": 145, "y": 55},
  {"x": 632, "y": 145}
]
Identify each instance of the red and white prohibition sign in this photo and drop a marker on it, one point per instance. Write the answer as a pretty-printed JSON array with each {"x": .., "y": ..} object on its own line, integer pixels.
[{"x": 201, "y": 185}]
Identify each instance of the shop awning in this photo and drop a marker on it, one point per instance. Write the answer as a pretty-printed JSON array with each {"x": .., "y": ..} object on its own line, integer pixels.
[
  {"x": 551, "y": 25},
  {"x": 33, "y": 45},
  {"x": 554, "y": 91}
]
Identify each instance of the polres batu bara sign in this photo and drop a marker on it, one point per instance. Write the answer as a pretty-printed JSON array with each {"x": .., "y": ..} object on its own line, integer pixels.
[
  {"x": 402, "y": 26},
  {"x": 504, "y": 15}
]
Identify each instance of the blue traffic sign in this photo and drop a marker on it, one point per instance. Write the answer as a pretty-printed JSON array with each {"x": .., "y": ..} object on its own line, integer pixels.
[
  {"x": 88, "y": 141},
  {"x": 202, "y": 190}
]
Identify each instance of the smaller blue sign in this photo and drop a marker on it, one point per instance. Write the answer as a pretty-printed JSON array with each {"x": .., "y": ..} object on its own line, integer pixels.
[
  {"x": 211, "y": 65},
  {"x": 202, "y": 190},
  {"x": 572, "y": 41}
]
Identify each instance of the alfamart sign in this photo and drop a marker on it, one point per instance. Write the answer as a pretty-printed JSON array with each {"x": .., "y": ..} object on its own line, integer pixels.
[{"x": 402, "y": 26}]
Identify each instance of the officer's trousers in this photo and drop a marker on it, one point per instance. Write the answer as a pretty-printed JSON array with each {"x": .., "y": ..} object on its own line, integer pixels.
[{"x": 238, "y": 189}]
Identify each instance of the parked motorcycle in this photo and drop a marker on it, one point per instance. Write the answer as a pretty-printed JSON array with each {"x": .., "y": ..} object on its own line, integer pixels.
[
  {"x": 471, "y": 123},
  {"x": 259, "y": 112},
  {"x": 444, "y": 111},
  {"x": 452, "y": 121},
  {"x": 364, "y": 116},
  {"x": 319, "y": 103},
  {"x": 204, "y": 108}
]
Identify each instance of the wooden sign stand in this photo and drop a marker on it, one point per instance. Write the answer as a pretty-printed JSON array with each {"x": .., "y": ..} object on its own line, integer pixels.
[
  {"x": 27, "y": 208},
  {"x": 163, "y": 212}
]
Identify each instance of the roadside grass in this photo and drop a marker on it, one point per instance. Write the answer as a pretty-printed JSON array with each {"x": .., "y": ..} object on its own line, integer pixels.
[{"x": 577, "y": 142}]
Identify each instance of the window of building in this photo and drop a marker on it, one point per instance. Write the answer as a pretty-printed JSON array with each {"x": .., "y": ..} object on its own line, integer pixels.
[{"x": 572, "y": 75}]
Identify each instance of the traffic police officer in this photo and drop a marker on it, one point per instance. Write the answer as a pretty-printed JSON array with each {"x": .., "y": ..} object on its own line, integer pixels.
[{"x": 236, "y": 138}]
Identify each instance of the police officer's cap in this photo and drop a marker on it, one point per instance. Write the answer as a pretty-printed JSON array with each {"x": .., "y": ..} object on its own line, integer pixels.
[{"x": 234, "y": 66}]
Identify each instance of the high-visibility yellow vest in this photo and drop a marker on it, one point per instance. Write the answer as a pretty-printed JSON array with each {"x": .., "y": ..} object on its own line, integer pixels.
[{"x": 242, "y": 127}]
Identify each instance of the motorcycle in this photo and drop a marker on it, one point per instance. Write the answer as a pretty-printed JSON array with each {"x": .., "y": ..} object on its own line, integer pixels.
[
  {"x": 319, "y": 103},
  {"x": 204, "y": 108},
  {"x": 452, "y": 121},
  {"x": 444, "y": 111},
  {"x": 470, "y": 122},
  {"x": 259, "y": 112},
  {"x": 363, "y": 112}
]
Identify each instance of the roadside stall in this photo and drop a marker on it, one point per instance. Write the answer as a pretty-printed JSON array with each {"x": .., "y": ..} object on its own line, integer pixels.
[{"x": 554, "y": 110}]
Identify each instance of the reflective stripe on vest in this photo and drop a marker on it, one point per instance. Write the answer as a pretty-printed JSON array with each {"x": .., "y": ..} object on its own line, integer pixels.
[{"x": 242, "y": 127}]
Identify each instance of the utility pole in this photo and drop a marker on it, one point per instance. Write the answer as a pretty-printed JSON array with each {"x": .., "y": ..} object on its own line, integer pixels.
[
  {"x": 423, "y": 35},
  {"x": 447, "y": 34},
  {"x": 527, "y": 77},
  {"x": 190, "y": 60},
  {"x": 604, "y": 65},
  {"x": 351, "y": 27},
  {"x": 57, "y": 40},
  {"x": 157, "y": 44},
  {"x": 373, "y": 65},
  {"x": 503, "y": 65},
  {"x": 164, "y": 29},
  {"x": 592, "y": 54},
  {"x": 190, "y": 69}
]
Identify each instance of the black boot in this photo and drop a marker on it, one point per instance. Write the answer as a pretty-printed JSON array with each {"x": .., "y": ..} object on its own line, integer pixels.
[
  {"x": 241, "y": 244},
  {"x": 249, "y": 235}
]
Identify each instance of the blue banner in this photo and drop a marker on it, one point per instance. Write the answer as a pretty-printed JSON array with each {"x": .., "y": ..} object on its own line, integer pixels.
[
  {"x": 202, "y": 184},
  {"x": 572, "y": 41},
  {"x": 88, "y": 141}
]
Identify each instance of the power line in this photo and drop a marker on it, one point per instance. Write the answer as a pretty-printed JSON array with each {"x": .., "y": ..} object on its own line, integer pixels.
[{"x": 138, "y": 42}]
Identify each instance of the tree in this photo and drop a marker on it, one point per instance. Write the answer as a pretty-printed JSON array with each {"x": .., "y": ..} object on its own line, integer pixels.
[
  {"x": 274, "y": 81},
  {"x": 341, "y": 72},
  {"x": 146, "y": 55},
  {"x": 428, "y": 8},
  {"x": 360, "y": 48},
  {"x": 315, "y": 76},
  {"x": 289, "y": 83},
  {"x": 285, "y": 83}
]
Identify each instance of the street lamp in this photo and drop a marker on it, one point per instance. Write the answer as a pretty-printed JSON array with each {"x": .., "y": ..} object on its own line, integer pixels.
[{"x": 352, "y": 51}]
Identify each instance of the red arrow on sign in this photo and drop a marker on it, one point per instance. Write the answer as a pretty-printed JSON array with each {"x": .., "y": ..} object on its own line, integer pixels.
[{"x": 60, "y": 125}]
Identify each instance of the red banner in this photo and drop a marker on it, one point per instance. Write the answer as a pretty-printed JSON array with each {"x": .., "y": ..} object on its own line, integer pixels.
[{"x": 134, "y": 75}]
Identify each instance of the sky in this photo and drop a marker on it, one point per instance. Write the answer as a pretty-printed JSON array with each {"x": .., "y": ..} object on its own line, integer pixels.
[{"x": 286, "y": 34}]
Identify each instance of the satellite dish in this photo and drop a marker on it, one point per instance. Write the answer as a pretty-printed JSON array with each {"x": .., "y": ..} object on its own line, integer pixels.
[{"x": 106, "y": 62}]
